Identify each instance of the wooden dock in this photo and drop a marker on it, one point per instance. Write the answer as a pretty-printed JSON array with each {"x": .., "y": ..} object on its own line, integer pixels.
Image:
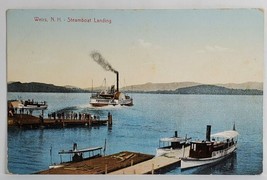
[
  {"x": 32, "y": 122},
  {"x": 101, "y": 165},
  {"x": 157, "y": 165},
  {"x": 128, "y": 163}
]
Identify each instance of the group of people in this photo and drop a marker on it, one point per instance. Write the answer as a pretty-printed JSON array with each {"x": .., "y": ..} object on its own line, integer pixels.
[{"x": 72, "y": 115}]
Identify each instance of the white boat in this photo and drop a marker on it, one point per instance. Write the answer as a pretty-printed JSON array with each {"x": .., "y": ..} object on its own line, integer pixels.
[
  {"x": 212, "y": 150},
  {"x": 111, "y": 97},
  {"x": 118, "y": 98},
  {"x": 29, "y": 104},
  {"x": 77, "y": 155},
  {"x": 172, "y": 146}
]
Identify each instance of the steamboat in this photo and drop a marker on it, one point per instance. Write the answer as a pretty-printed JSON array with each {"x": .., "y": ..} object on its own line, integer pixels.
[{"x": 111, "y": 97}]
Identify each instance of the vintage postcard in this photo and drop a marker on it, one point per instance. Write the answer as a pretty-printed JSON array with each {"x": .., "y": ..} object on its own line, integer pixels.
[{"x": 125, "y": 92}]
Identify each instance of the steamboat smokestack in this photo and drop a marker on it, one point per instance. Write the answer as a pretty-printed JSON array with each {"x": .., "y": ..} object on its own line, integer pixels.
[
  {"x": 208, "y": 132},
  {"x": 175, "y": 134},
  {"x": 117, "y": 73}
]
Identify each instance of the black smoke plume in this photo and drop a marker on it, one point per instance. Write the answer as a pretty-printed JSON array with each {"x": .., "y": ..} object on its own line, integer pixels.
[{"x": 97, "y": 57}]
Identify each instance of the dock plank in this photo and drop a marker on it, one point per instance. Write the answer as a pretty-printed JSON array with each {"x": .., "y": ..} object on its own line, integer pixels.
[
  {"x": 101, "y": 165},
  {"x": 156, "y": 164},
  {"x": 149, "y": 166}
]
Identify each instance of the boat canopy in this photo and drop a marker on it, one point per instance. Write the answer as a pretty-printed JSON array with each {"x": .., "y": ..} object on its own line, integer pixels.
[
  {"x": 15, "y": 104},
  {"x": 225, "y": 134},
  {"x": 80, "y": 150},
  {"x": 173, "y": 139}
]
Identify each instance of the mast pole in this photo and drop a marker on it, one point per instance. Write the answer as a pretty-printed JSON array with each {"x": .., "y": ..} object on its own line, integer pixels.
[{"x": 117, "y": 73}]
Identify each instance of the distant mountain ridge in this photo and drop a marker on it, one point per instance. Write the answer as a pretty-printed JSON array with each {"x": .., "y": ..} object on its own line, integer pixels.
[
  {"x": 212, "y": 90},
  {"x": 250, "y": 88},
  {"x": 176, "y": 85},
  {"x": 40, "y": 87},
  {"x": 159, "y": 86},
  {"x": 246, "y": 85}
]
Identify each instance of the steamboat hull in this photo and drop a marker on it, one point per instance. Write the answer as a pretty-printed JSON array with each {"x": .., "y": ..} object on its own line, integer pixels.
[
  {"x": 106, "y": 102},
  {"x": 188, "y": 163}
]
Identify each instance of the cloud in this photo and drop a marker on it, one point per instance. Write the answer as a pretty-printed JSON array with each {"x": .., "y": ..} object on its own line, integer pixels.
[
  {"x": 214, "y": 48},
  {"x": 141, "y": 43}
]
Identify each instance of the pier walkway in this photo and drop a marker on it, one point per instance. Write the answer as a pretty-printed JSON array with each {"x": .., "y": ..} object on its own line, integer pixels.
[
  {"x": 123, "y": 163},
  {"x": 100, "y": 165},
  {"x": 32, "y": 122},
  {"x": 156, "y": 165}
]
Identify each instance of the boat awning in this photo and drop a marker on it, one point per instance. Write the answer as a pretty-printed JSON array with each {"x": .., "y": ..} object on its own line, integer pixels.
[
  {"x": 80, "y": 150},
  {"x": 15, "y": 104},
  {"x": 226, "y": 134},
  {"x": 173, "y": 139}
]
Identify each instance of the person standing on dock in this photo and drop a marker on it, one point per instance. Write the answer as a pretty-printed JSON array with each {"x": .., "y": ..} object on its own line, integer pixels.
[
  {"x": 41, "y": 119},
  {"x": 54, "y": 115}
]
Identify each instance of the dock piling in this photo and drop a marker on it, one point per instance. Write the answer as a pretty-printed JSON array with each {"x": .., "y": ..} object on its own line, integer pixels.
[
  {"x": 109, "y": 119},
  {"x": 106, "y": 169}
]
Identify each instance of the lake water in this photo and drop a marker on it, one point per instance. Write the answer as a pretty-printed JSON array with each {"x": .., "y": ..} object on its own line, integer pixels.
[{"x": 140, "y": 127}]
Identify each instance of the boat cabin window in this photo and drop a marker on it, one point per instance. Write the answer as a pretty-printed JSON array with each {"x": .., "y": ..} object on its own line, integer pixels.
[
  {"x": 201, "y": 150},
  {"x": 193, "y": 147},
  {"x": 176, "y": 145}
]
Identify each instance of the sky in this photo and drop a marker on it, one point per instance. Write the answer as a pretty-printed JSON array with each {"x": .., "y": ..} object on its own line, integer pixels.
[{"x": 159, "y": 46}]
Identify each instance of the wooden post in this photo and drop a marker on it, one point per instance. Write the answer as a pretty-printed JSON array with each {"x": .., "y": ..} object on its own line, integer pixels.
[
  {"x": 106, "y": 169},
  {"x": 183, "y": 150},
  {"x": 105, "y": 147},
  {"x": 152, "y": 171},
  {"x": 109, "y": 119},
  {"x": 89, "y": 120}
]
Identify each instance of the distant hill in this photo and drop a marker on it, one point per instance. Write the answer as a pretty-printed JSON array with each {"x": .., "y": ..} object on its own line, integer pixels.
[
  {"x": 40, "y": 87},
  {"x": 159, "y": 86},
  {"x": 176, "y": 85},
  {"x": 246, "y": 85},
  {"x": 162, "y": 88},
  {"x": 212, "y": 89}
]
